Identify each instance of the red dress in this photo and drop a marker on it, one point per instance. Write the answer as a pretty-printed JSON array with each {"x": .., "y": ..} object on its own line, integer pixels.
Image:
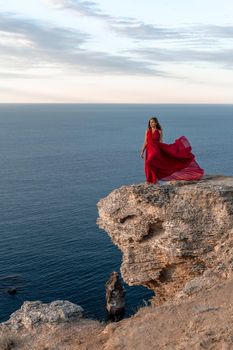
[{"x": 170, "y": 161}]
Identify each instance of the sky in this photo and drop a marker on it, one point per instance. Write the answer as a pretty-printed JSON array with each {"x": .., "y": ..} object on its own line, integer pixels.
[{"x": 125, "y": 51}]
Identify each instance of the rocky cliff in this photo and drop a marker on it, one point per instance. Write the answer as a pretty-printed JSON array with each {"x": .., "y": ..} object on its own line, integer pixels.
[{"x": 176, "y": 239}]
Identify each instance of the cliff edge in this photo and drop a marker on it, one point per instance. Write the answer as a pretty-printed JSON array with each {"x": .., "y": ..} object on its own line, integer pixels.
[{"x": 176, "y": 238}]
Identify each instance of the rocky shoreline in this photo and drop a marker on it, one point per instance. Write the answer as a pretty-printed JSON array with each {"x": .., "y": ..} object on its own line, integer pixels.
[{"x": 176, "y": 239}]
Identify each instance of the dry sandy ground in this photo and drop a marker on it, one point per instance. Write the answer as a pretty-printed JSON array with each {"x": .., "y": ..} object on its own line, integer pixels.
[{"x": 204, "y": 322}]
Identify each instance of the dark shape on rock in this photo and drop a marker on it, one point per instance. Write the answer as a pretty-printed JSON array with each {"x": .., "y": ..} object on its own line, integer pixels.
[
  {"x": 115, "y": 297},
  {"x": 12, "y": 291}
]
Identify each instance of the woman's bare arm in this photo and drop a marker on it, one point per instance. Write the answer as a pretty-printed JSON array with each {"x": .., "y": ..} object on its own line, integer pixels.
[{"x": 144, "y": 145}]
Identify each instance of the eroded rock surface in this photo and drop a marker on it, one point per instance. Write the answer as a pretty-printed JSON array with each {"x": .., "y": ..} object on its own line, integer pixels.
[
  {"x": 34, "y": 313},
  {"x": 172, "y": 235}
]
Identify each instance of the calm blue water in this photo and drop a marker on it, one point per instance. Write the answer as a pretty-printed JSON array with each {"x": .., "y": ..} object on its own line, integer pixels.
[{"x": 57, "y": 161}]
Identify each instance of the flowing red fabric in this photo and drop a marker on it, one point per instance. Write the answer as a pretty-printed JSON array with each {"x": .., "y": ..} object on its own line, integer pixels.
[{"x": 168, "y": 162}]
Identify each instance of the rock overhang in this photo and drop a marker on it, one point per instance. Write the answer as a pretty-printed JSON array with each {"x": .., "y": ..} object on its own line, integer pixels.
[{"x": 168, "y": 234}]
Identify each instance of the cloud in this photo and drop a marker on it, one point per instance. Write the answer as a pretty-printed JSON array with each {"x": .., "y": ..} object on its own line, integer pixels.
[
  {"x": 124, "y": 25},
  {"x": 85, "y": 8},
  {"x": 188, "y": 43},
  {"x": 26, "y": 45},
  {"x": 214, "y": 31},
  {"x": 62, "y": 49},
  {"x": 43, "y": 35},
  {"x": 138, "y": 30},
  {"x": 189, "y": 34},
  {"x": 223, "y": 57},
  {"x": 192, "y": 35}
]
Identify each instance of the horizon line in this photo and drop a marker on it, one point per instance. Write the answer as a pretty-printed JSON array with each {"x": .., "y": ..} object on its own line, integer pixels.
[{"x": 115, "y": 103}]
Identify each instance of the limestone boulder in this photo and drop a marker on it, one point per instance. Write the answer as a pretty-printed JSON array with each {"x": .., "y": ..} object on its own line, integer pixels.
[{"x": 35, "y": 313}]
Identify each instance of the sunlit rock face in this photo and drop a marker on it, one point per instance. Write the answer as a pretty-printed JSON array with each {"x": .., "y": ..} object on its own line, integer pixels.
[
  {"x": 172, "y": 234},
  {"x": 34, "y": 314}
]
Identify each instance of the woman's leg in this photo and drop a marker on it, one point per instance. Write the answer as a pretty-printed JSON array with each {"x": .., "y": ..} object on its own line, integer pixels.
[{"x": 150, "y": 170}]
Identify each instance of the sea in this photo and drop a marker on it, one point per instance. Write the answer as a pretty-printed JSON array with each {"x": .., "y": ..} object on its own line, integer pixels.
[{"x": 56, "y": 162}]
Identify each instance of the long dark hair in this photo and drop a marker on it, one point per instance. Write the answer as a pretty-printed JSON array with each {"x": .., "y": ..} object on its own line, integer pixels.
[{"x": 158, "y": 126}]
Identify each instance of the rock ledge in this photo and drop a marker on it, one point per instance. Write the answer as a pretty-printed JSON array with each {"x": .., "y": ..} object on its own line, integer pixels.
[{"x": 172, "y": 234}]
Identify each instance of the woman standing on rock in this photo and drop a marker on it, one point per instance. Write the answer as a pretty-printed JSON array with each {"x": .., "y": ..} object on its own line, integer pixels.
[{"x": 168, "y": 162}]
